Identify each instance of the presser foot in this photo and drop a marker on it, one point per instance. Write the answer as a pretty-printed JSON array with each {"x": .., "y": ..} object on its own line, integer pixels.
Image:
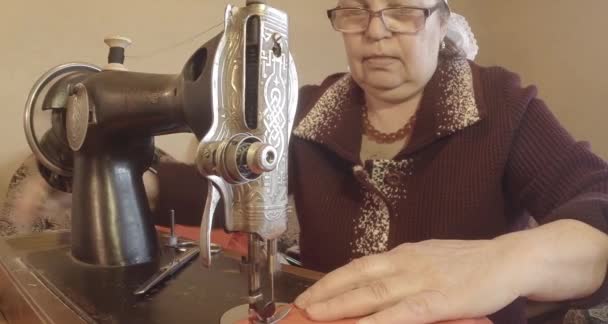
[{"x": 242, "y": 312}]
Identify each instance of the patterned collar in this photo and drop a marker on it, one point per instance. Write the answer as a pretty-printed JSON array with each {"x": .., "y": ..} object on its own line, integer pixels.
[{"x": 450, "y": 103}]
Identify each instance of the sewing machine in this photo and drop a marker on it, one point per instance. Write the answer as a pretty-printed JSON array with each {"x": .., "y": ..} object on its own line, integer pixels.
[{"x": 237, "y": 94}]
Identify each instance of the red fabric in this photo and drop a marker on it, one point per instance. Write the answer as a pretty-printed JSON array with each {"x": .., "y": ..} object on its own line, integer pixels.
[{"x": 298, "y": 316}]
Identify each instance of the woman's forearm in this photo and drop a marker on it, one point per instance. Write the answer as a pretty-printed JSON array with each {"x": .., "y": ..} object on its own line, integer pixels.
[{"x": 562, "y": 260}]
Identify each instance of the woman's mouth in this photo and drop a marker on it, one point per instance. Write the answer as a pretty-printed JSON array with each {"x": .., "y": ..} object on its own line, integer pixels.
[{"x": 380, "y": 60}]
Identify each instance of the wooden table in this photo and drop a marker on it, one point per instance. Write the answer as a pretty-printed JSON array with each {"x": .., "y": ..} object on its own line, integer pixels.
[{"x": 23, "y": 298}]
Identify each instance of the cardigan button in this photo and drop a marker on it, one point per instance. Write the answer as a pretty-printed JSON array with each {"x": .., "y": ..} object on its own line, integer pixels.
[{"x": 393, "y": 178}]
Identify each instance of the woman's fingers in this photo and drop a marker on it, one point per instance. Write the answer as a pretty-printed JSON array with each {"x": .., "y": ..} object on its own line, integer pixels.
[
  {"x": 352, "y": 276},
  {"x": 374, "y": 297},
  {"x": 424, "y": 307}
]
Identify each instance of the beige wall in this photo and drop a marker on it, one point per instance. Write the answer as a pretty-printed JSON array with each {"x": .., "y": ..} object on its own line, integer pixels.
[{"x": 557, "y": 44}]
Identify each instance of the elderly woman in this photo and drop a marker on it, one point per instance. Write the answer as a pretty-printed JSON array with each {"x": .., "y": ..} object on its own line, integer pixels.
[{"x": 424, "y": 163}]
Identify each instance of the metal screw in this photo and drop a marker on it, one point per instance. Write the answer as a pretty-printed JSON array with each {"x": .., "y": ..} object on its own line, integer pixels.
[{"x": 172, "y": 238}]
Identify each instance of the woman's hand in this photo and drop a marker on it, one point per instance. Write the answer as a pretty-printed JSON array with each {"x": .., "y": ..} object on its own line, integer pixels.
[
  {"x": 424, "y": 282},
  {"x": 447, "y": 280}
]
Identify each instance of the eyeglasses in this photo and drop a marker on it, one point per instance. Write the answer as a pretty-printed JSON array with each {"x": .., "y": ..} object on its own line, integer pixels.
[{"x": 407, "y": 20}]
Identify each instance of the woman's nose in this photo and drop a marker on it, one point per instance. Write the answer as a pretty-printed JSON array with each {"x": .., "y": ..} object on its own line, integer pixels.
[{"x": 376, "y": 29}]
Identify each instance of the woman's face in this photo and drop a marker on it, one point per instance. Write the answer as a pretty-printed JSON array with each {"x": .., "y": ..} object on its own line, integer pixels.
[{"x": 393, "y": 66}]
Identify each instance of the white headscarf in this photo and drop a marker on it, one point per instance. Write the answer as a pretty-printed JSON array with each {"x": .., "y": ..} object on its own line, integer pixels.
[{"x": 460, "y": 33}]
